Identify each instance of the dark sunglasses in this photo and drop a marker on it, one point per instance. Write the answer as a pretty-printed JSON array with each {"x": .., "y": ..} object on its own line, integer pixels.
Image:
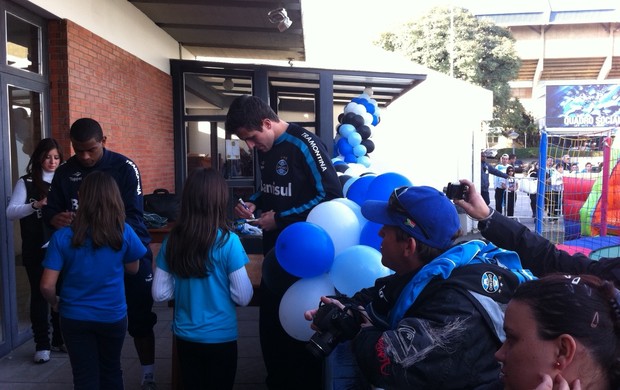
[{"x": 397, "y": 207}]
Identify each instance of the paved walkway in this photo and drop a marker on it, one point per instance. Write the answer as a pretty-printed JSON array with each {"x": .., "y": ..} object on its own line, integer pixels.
[{"x": 18, "y": 372}]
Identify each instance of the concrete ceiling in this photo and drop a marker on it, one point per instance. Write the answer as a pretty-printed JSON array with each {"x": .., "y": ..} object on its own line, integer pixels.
[{"x": 229, "y": 28}]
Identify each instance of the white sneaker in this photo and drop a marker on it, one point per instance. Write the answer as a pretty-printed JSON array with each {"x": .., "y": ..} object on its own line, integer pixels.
[{"x": 42, "y": 356}]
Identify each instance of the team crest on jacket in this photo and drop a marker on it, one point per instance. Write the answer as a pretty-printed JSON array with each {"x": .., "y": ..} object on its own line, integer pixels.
[
  {"x": 282, "y": 167},
  {"x": 490, "y": 282}
]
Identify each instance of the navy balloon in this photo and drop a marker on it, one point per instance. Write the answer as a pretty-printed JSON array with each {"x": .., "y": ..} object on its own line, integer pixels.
[
  {"x": 358, "y": 121},
  {"x": 348, "y": 117},
  {"x": 340, "y": 166},
  {"x": 364, "y": 131},
  {"x": 370, "y": 146},
  {"x": 344, "y": 179}
]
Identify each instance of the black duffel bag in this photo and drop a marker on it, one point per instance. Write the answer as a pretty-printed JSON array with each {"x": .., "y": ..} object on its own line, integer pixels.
[{"x": 163, "y": 203}]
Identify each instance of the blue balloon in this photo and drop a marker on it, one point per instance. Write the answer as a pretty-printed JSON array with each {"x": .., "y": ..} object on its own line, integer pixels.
[
  {"x": 357, "y": 267},
  {"x": 357, "y": 190},
  {"x": 364, "y": 160},
  {"x": 370, "y": 235},
  {"x": 359, "y": 150},
  {"x": 346, "y": 130},
  {"x": 354, "y": 139},
  {"x": 350, "y": 157},
  {"x": 305, "y": 250},
  {"x": 344, "y": 147},
  {"x": 375, "y": 119},
  {"x": 382, "y": 187},
  {"x": 370, "y": 108}
]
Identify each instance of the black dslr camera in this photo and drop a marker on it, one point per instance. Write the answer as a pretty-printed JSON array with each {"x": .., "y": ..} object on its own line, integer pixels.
[
  {"x": 334, "y": 325},
  {"x": 455, "y": 191}
]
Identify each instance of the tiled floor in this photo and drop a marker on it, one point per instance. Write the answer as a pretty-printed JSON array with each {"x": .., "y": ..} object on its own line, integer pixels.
[{"x": 18, "y": 372}]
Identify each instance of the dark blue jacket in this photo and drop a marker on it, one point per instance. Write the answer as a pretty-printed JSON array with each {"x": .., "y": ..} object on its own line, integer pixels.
[
  {"x": 63, "y": 195},
  {"x": 484, "y": 177}
]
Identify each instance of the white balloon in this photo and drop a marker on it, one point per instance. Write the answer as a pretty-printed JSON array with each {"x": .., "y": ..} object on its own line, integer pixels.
[
  {"x": 356, "y": 268},
  {"x": 339, "y": 221},
  {"x": 350, "y": 107},
  {"x": 367, "y": 118},
  {"x": 355, "y": 170},
  {"x": 359, "y": 109},
  {"x": 305, "y": 294},
  {"x": 356, "y": 209}
]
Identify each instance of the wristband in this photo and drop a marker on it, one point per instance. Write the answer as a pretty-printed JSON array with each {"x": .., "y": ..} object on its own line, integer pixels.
[{"x": 485, "y": 218}]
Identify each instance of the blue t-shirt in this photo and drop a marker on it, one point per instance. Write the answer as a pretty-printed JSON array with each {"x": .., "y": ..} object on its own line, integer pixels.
[
  {"x": 92, "y": 280},
  {"x": 204, "y": 312}
]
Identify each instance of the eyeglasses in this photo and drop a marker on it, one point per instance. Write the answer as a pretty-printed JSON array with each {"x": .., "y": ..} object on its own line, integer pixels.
[{"x": 397, "y": 207}]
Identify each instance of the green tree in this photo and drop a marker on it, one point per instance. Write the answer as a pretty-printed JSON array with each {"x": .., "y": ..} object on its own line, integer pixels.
[{"x": 453, "y": 41}]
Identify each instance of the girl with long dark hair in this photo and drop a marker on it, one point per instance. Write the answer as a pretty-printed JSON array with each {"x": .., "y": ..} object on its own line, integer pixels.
[{"x": 202, "y": 266}]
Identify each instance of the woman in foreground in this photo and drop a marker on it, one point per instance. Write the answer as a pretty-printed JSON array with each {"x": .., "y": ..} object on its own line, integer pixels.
[{"x": 562, "y": 333}]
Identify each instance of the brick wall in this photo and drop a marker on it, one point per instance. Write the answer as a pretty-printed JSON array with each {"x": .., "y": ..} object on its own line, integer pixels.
[{"x": 90, "y": 77}]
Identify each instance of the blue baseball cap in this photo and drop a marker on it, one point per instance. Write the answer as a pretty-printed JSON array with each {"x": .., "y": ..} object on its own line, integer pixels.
[{"x": 424, "y": 213}]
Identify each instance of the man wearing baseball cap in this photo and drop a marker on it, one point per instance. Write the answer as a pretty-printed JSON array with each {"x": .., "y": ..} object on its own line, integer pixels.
[{"x": 436, "y": 323}]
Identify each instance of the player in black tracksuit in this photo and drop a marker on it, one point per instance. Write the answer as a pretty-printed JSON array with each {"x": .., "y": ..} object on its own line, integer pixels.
[
  {"x": 296, "y": 175},
  {"x": 91, "y": 156}
]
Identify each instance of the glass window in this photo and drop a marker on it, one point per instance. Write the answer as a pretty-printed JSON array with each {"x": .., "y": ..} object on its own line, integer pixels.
[
  {"x": 22, "y": 44},
  {"x": 233, "y": 158},
  {"x": 25, "y": 133},
  {"x": 211, "y": 94}
]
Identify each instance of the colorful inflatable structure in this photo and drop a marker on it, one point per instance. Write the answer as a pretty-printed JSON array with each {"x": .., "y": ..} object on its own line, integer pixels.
[{"x": 591, "y": 208}]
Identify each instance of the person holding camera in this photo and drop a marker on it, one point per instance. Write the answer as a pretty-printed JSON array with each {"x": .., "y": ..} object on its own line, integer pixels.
[
  {"x": 538, "y": 254},
  {"x": 436, "y": 323}
]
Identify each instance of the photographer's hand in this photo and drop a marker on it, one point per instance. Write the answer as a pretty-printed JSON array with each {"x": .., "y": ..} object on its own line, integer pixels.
[
  {"x": 473, "y": 204},
  {"x": 309, "y": 314}
]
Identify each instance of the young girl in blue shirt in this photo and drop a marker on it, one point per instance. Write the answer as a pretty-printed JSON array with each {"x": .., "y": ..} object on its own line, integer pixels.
[
  {"x": 92, "y": 254},
  {"x": 201, "y": 264}
]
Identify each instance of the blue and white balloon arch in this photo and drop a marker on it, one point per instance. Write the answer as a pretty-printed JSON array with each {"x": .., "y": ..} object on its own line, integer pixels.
[{"x": 356, "y": 124}]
